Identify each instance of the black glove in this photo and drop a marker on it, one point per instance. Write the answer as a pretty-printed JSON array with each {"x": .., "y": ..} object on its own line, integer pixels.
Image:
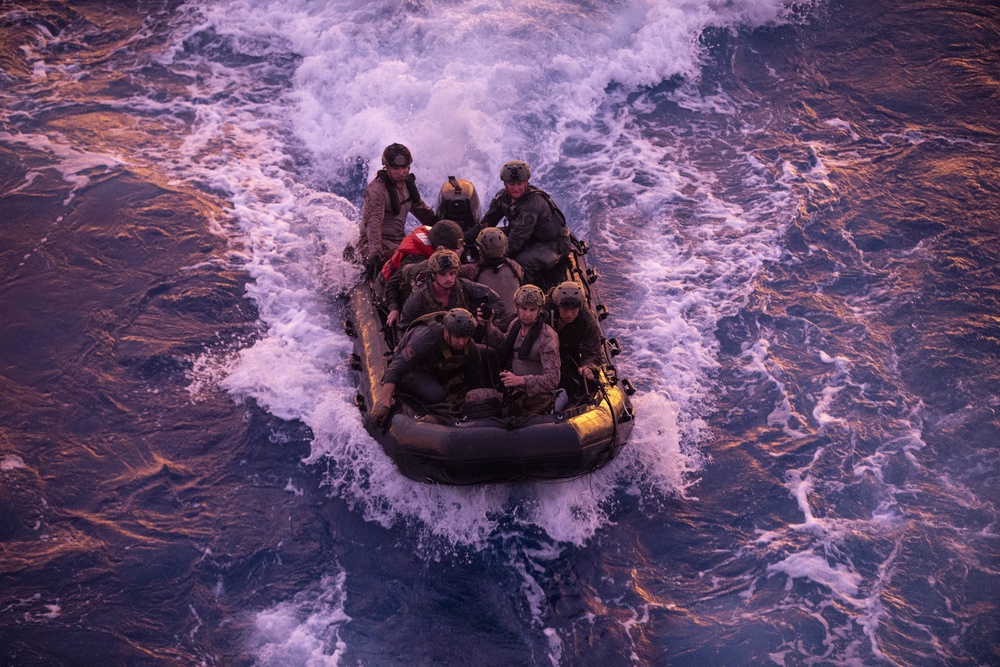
[
  {"x": 470, "y": 236},
  {"x": 373, "y": 264}
]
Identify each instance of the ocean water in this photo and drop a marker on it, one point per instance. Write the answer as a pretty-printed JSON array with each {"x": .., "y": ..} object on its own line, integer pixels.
[{"x": 794, "y": 209}]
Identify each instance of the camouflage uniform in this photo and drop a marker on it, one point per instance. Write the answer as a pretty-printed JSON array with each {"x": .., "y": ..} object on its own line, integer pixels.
[
  {"x": 537, "y": 236},
  {"x": 580, "y": 347},
  {"x": 466, "y": 294},
  {"x": 540, "y": 366},
  {"x": 431, "y": 370}
]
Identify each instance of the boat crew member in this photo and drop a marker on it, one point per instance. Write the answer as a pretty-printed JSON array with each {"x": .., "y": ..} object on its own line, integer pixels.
[
  {"x": 436, "y": 363},
  {"x": 388, "y": 199},
  {"x": 529, "y": 353},
  {"x": 537, "y": 236},
  {"x": 496, "y": 270},
  {"x": 445, "y": 290},
  {"x": 392, "y": 284},
  {"x": 579, "y": 338}
]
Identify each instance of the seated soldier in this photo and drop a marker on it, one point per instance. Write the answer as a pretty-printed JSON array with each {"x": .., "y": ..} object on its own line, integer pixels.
[
  {"x": 388, "y": 200},
  {"x": 445, "y": 290},
  {"x": 579, "y": 339},
  {"x": 391, "y": 285},
  {"x": 436, "y": 363},
  {"x": 529, "y": 353},
  {"x": 495, "y": 270}
]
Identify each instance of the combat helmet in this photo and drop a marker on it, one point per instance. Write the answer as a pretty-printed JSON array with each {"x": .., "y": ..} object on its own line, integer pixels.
[
  {"x": 529, "y": 295},
  {"x": 446, "y": 234},
  {"x": 568, "y": 294},
  {"x": 515, "y": 171},
  {"x": 443, "y": 259},
  {"x": 459, "y": 201},
  {"x": 459, "y": 322},
  {"x": 492, "y": 243},
  {"x": 396, "y": 155}
]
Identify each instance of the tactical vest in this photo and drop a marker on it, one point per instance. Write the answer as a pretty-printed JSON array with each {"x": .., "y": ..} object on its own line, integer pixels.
[
  {"x": 451, "y": 360},
  {"x": 394, "y": 215},
  {"x": 526, "y": 358},
  {"x": 532, "y": 364},
  {"x": 549, "y": 229}
]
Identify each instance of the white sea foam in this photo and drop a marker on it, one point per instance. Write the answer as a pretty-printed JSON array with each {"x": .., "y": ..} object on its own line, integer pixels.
[
  {"x": 304, "y": 630},
  {"x": 467, "y": 87},
  {"x": 11, "y": 462},
  {"x": 71, "y": 163},
  {"x": 841, "y": 580},
  {"x": 464, "y": 111}
]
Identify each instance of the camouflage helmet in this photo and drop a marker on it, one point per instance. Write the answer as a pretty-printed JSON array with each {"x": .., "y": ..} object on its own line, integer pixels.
[
  {"x": 459, "y": 322},
  {"x": 515, "y": 171},
  {"x": 396, "y": 155},
  {"x": 568, "y": 294},
  {"x": 529, "y": 295},
  {"x": 446, "y": 234},
  {"x": 492, "y": 242},
  {"x": 443, "y": 259}
]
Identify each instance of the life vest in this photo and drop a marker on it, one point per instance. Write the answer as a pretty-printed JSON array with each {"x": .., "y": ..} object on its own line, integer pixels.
[{"x": 417, "y": 242}]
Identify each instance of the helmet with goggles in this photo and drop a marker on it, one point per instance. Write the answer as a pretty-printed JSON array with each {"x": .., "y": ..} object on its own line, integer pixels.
[{"x": 396, "y": 156}]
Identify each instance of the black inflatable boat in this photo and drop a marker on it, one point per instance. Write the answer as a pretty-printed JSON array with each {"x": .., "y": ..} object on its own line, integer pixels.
[{"x": 460, "y": 450}]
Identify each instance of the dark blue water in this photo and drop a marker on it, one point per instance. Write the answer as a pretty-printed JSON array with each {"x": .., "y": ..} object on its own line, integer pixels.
[{"x": 795, "y": 212}]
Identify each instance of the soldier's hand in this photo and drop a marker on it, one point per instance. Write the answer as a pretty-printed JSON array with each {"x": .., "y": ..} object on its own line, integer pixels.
[
  {"x": 470, "y": 236},
  {"x": 510, "y": 380},
  {"x": 380, "y": 415}
]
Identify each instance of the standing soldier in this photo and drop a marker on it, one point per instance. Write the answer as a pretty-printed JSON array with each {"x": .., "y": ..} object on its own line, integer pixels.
[
  {"x": 389, "y": 198},
  {"x": 537, "y": 236}
]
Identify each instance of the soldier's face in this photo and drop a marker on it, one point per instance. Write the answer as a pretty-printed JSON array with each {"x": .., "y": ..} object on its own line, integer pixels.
[
  {"x": 446, "y": 279},
  {"x": 528, "y": 314},
  {"x": 456, "y": 342},
  {"x": 516, "y": 190},
  {"x": 398, "y": 174},
  {"x": 567, "y": 314}
]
